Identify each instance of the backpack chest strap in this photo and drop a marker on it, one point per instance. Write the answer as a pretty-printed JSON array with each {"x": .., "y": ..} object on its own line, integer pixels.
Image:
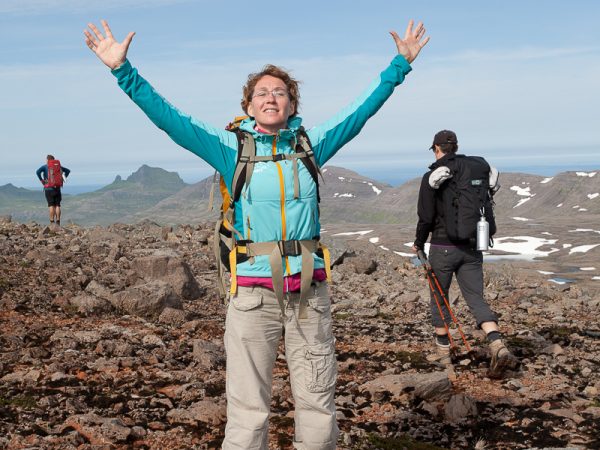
[
  {"x": 294, "y": 157},
  {"x": 280, "y": 157}
]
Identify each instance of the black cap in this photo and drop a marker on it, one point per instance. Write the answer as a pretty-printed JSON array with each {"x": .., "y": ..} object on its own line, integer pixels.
[{"x": 444, "y": 137}]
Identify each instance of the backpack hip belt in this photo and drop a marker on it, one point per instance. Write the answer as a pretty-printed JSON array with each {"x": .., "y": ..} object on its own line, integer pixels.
[{"x": 276, "y": 251}]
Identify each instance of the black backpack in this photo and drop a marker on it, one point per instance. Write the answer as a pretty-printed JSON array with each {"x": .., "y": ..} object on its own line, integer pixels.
[{"x": 466, "y": 197}]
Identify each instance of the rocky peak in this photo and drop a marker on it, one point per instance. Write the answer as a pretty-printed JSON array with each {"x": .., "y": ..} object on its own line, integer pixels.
[{"x": 155, "y": 176}]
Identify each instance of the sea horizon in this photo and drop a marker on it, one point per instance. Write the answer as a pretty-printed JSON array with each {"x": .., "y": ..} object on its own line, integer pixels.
[{"x": 393, "y": 177}]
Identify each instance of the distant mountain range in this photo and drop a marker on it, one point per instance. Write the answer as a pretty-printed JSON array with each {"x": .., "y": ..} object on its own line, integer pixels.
[{"x": 347, "y": 197}]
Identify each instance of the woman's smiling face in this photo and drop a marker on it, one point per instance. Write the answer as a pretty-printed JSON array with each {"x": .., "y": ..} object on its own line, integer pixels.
[{"x": 271, "y": 106}]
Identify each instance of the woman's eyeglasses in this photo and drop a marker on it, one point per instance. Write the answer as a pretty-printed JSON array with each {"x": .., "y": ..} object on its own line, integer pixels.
[{"x": 277, "y": 93}]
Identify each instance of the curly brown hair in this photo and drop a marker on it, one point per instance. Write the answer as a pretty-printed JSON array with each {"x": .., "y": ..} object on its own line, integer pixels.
[{"x": 277, "y": 72}]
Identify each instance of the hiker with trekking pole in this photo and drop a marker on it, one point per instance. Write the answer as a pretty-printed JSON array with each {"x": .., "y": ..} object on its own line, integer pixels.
[
  {"x": 51, "y": 177},
  {"x": 268, "y": 235},
  {"x": 455, "y": 206}
]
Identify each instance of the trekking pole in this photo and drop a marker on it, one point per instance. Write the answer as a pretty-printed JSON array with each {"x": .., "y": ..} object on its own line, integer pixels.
[
  {"x": 430, "y": 274},
  {"x": 427, "y": 268}
]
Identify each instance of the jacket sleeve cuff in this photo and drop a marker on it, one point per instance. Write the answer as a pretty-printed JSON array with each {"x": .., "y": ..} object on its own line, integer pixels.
[
  {"x": 122, "y": 70},
  {"x": 401, "y": 62}
]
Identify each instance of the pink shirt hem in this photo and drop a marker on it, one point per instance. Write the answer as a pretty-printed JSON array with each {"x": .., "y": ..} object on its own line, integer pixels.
[{"x": 291, "y": 282}]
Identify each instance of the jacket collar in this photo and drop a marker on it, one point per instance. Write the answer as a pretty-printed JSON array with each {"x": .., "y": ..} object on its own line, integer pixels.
[
  {"x": 444, "y": 160},
  {"x": 294, "y": 124}
]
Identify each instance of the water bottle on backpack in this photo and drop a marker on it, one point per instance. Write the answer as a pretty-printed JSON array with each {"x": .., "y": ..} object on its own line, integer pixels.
[{"x": 483, "y": 232}]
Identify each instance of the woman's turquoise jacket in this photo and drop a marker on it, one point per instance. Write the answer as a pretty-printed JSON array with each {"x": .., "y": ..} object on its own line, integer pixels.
[{"x": 267, "y": 209}]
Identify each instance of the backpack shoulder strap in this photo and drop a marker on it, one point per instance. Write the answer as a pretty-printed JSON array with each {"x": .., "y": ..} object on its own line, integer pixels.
[
  {"x": 245, "y": 164},
  {"x": 303, "y": 145},
  {"x": 218, "y": 179}
]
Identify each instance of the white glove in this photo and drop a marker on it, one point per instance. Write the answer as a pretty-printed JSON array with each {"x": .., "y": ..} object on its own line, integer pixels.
[
  {"x": 438, "y": 176},
  {"x": 493, "y": 180}
]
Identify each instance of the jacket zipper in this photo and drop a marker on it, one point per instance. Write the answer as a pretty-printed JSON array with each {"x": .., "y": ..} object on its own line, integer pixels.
[{"x": 281, "y": 203}]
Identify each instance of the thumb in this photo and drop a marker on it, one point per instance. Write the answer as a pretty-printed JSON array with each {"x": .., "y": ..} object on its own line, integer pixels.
[
  {"x": 127, "y": 40},
  {"x": 396, "y": 39}
]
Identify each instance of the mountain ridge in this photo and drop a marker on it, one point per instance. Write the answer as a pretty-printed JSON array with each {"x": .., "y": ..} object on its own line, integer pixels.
[{"x": 347, "y": 197}]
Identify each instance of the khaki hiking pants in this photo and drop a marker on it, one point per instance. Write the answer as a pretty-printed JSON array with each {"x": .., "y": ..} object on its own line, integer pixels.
[{"x": 253, "y": 330}]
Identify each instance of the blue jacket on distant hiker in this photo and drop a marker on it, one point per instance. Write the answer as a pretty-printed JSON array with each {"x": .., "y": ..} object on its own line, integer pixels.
[{"x": 51, "y": 176}]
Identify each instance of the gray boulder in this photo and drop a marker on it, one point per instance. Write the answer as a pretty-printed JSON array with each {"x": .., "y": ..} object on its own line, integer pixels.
[
  {"x": 147, "y": 300},
  {"x": 169, "y": 267}
]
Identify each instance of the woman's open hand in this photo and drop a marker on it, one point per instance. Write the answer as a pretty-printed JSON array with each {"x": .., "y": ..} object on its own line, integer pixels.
[
  {"x": 110, "y": 52},
  {"x": 413, "y": 41}
]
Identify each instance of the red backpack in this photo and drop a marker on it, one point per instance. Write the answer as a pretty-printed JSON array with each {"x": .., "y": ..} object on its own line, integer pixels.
[{"x": 55, "y": 179}]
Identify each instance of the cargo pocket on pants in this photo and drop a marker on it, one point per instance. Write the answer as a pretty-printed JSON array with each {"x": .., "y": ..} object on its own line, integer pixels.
[
  {"x": 246, "y": 301},
  {"x": 320, "y": 366},
  {"x": 320, "y": 300}
]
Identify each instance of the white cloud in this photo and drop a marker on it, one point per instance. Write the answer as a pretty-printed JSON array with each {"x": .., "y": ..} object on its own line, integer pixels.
[
  {"x": 63, "y": 98},
  {"x": 525, "y": 53},
  {"x": 39, "y": 7}
]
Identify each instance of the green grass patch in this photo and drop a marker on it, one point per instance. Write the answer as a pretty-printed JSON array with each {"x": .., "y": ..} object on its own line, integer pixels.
[
  {"x": 21, "y": 401},
  {"x": 341, "y": 315},
  {"x": 384, "y": 316},
  {"x": 515, "y": 341},
  {"x": 4, "y": 284},
  {"x": 560, "y": 331},
  {"x": 375, "y": 441},
  {"x": 415, "y": 359}
]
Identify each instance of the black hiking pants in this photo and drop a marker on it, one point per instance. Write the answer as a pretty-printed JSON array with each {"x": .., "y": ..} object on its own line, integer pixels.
[
  {"x": 53, "y": 196},
  {"x": 467, "y": 264}
]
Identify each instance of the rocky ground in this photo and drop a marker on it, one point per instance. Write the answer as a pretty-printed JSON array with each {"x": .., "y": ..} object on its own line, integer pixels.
[{"x": 112, "y": 338}]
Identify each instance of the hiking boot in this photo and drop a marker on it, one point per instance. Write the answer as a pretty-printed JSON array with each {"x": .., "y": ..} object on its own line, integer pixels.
[
  {"x": 502, "y": 359},
  {"x": 440, "y": 356}
]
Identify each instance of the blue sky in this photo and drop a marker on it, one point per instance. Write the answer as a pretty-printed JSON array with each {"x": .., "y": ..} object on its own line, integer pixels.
[{"x": 517, "y": 80}]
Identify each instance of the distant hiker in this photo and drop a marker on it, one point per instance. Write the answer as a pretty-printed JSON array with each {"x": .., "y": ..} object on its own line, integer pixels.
[
  {"x": 51, "y": 176},
  {"x": 277, "y": 263},
  {"x": 442, "y": 214}
]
